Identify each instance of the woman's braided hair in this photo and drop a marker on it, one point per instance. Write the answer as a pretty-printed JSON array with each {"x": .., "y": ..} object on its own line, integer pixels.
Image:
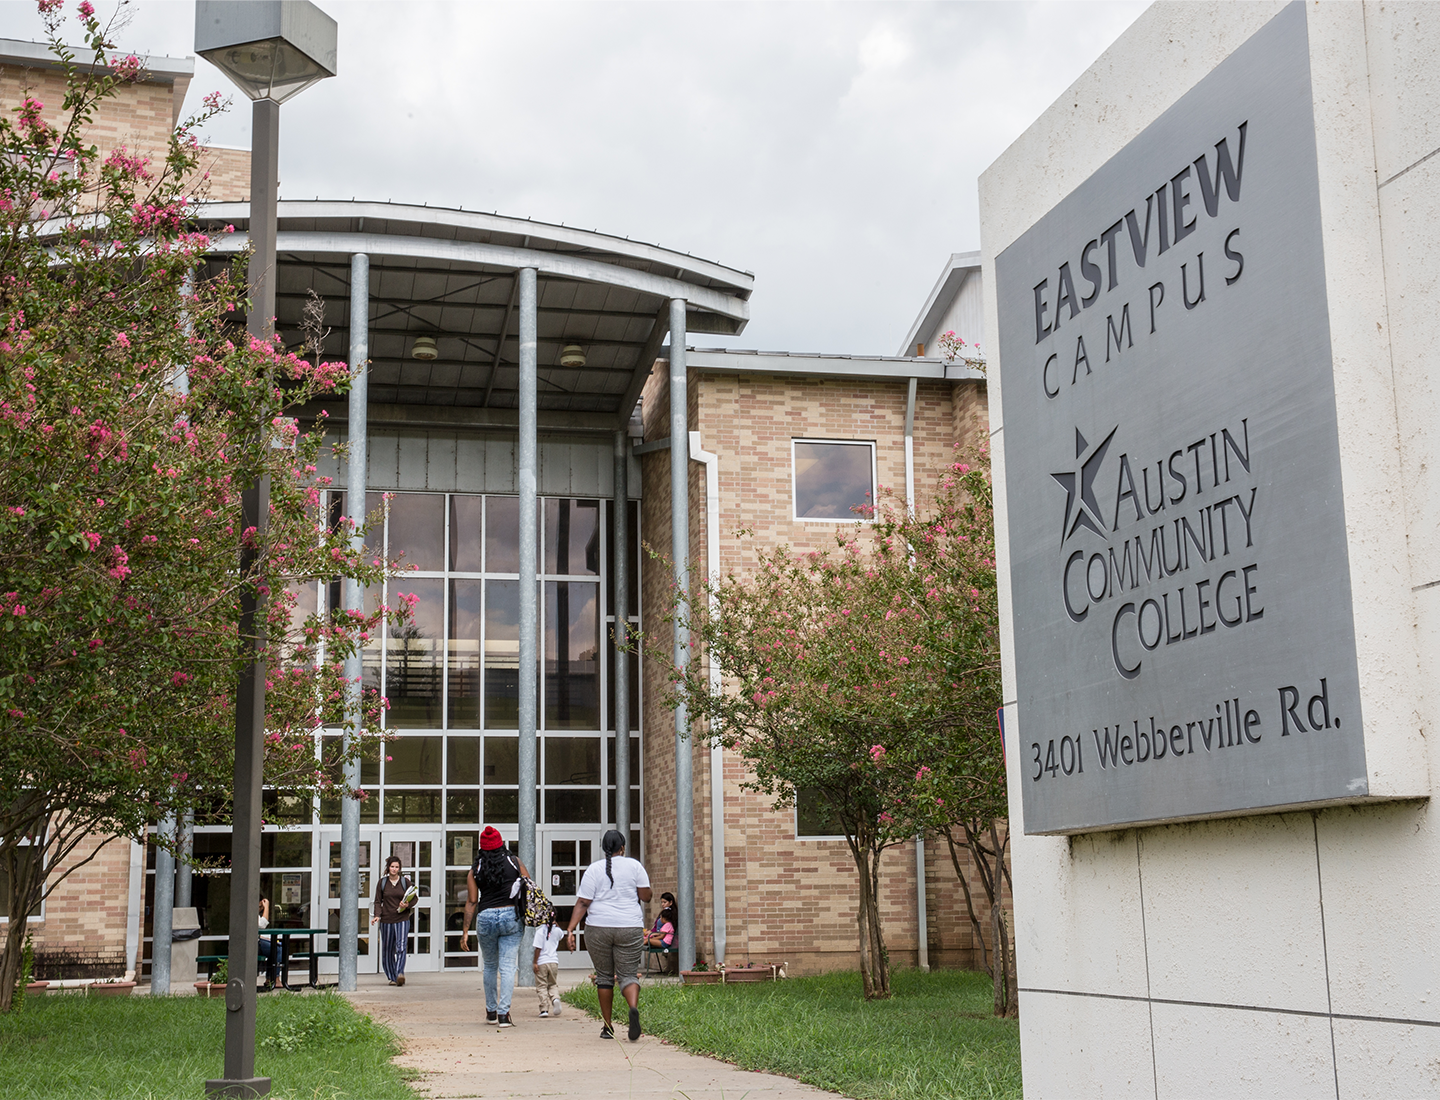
[
  {"x": 492, "y": 868},
  {"x": 612, "y": 843}
]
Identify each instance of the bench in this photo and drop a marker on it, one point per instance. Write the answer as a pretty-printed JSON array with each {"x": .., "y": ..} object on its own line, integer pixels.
[
  {"x": 211, "y": 961},
  {"x": 651, "y": 952}
]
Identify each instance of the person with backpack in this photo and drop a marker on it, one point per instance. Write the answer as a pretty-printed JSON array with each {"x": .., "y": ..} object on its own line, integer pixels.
[
  {"x": 393, "y": 902},
  {"x": 609, "y": 902},
  {"x": 492, "y": 889}
]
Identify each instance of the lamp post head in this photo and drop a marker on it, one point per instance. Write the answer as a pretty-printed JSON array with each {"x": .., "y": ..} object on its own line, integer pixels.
[{"x": 271, "y": 49}]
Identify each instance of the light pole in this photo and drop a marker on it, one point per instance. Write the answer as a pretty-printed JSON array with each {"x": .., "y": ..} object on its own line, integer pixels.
[{"x": 272, "y": 50}]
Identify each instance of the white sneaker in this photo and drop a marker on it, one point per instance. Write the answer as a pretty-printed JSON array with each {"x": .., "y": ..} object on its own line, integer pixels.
[
  {"x": 544, "y": 1014},
  {"x": 555, "y": 1007}
]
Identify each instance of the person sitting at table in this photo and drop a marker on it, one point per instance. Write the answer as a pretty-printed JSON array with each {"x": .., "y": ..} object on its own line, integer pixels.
[{"x": 271, "y": 950}]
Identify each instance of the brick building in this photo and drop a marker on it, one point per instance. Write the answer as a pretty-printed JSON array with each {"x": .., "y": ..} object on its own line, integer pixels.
[{"x": 439, "y": 298}]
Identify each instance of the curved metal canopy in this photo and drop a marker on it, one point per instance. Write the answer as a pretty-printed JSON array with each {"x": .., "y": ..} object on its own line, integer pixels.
[{"x": 451, "y": 275}]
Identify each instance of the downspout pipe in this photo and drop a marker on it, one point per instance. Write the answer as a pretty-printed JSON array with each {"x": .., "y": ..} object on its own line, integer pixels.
[
  {"x": 620, "y": 572},
  {"x": 711, "y": 463},
  {"x": 922, "y": 931}
]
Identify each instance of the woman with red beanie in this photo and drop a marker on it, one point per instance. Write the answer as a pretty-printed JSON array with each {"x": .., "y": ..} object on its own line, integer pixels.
[{"x": 491, "y": 889}]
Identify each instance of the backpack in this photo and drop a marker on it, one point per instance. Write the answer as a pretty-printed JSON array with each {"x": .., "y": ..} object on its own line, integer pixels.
[{"x": 532, "y": 907}]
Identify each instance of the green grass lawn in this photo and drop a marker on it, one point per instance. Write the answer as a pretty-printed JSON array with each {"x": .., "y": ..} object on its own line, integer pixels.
[
  {"x": 314, "y": 1047},
  {"x": 934, "y": 1038}
]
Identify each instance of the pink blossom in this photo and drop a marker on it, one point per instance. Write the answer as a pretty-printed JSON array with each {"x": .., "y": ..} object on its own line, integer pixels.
[
  {"x": 86, "y": 9},
  {"x": 18, "y": 610},
  {"x": 923, "y": 774},
  {"x": 92, "y": 538},
  {"x": 877, "y": 753},
  {"x": 14, "y": 713}
]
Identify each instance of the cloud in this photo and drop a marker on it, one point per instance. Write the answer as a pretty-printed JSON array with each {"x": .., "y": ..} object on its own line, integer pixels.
[{"x": 832, "y": 149}]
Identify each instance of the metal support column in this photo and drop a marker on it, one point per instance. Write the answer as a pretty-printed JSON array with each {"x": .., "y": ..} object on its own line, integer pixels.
[
  {"x": 354, "y": 600},
  {"x": 680, "y": 552},
  {"x": 620, "y": 576},
  {"x": 240, "y": 1079},
  {"x": 164, "y": 914},
  {"x": 183, "y": 869},
  {"x": 528, "y": 451}
]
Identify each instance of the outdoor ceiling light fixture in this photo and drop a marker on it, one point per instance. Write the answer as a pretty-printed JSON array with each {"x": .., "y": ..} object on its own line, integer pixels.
[
  {"x": 572, "y": 355},
  {"x": 424, "y": 348},
  {"x": 271, "y": 49}
]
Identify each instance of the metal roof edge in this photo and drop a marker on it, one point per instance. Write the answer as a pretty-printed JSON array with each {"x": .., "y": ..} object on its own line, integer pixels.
[
  {"x": 743, "y": 282},
  {"x": 957, "y": 268},
  {"x": 879, "y": 367},
  {"x": 37, "y": 55}
]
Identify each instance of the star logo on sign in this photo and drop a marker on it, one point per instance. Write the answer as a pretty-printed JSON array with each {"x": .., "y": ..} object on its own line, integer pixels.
[{"x": 1085, "y": 513}]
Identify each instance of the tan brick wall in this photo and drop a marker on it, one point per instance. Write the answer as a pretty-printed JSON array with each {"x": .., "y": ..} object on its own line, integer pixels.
[
  {"x": 89, "y": 909},
  {"x": 229, "y": 174},
  {"x": 787, "y": 900},
  {"x": 140, "y": 117}
]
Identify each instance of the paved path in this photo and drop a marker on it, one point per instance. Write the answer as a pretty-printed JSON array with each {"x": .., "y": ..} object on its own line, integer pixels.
[{"x": 441, "y": 1018}]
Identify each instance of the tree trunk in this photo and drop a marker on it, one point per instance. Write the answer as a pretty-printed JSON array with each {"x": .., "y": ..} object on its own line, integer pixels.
[
  {"x": 976, "y": 927},
  {"x": 874, "y": 966},
  {"x": 24, "y": 864}
]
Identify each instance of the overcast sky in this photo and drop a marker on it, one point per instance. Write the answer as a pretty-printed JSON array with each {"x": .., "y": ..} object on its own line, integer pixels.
[{"x": 830, "y": 149}]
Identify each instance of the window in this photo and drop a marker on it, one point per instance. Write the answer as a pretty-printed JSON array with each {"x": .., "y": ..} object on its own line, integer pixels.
[
  {"x": 833, "y": 480},
  {"x": 814, "y": 820}
]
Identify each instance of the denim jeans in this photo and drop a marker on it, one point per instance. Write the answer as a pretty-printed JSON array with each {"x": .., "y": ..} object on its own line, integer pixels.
[{"x": 498, "y": 931}]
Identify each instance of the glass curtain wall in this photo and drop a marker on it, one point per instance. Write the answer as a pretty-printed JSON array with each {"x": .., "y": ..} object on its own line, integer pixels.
[{"x": 452, "y": 680}]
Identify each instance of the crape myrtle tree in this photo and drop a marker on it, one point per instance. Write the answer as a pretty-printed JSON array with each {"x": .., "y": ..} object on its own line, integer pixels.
[
  {"x": 133, "y": 411},
  {"x": 866, "y": 676}
]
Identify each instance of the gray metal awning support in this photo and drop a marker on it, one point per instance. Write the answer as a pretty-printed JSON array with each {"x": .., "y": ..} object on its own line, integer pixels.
[
  {"x": 620, "y": 572},
  {"x": 526, "y": 454},
  {"x": 163, "y": 919},
  {"x": 680, "y": 553},
  {"x": 354, "y": 600}
]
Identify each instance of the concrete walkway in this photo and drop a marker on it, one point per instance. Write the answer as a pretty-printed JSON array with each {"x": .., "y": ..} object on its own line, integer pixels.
[{"x": 441, "y": 1018}]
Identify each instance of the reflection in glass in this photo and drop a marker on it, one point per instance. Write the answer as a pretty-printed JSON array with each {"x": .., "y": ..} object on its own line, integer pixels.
[
  {"x": 634, "y": 685},
  {"x": 572, "y": 760},
  {"x": 567, "y": 806},
  {"x": 465, "y": 533},
  {"x": 283, "y": 849},
  {"x": 634, "y": 760},
  {"x": 412, "y": 807},
  {"x": 572, "y": 645},
  {"x": 463, "y": 655},
  {"x": 634, "y": 804},
  {"x": 501, "y": 805},
  {"x": 502, "y": 654},
  {"x": 634, "y": 574},
  {"x": 572, "y": 537},
  {"x": 464, "y": 761},
  {"x": 502, "y": 534},
  {"x": 413, "y": 668},
  {"x": 502, "y": 760},
  {"x": 412, "y": 760},
  {"x": 833, "y": 480},
  {"x": 417, "y": 530},
  {"x": 462, "y": 806}
]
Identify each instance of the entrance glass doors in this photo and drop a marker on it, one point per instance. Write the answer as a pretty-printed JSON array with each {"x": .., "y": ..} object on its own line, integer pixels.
[
  {"x": 418, "y": 850},
  {"x": 563, "y": 856}
]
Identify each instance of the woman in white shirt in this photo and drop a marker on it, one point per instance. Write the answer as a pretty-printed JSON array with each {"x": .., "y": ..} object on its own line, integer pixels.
[{"x": 609, "y": 902}]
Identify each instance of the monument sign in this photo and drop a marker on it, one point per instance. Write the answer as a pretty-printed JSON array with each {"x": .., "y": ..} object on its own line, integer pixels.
[{"x": 1184, "y": 639}]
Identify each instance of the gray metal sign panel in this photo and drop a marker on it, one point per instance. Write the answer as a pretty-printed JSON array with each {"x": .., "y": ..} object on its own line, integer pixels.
[{"x": 1184, "y": 638}]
